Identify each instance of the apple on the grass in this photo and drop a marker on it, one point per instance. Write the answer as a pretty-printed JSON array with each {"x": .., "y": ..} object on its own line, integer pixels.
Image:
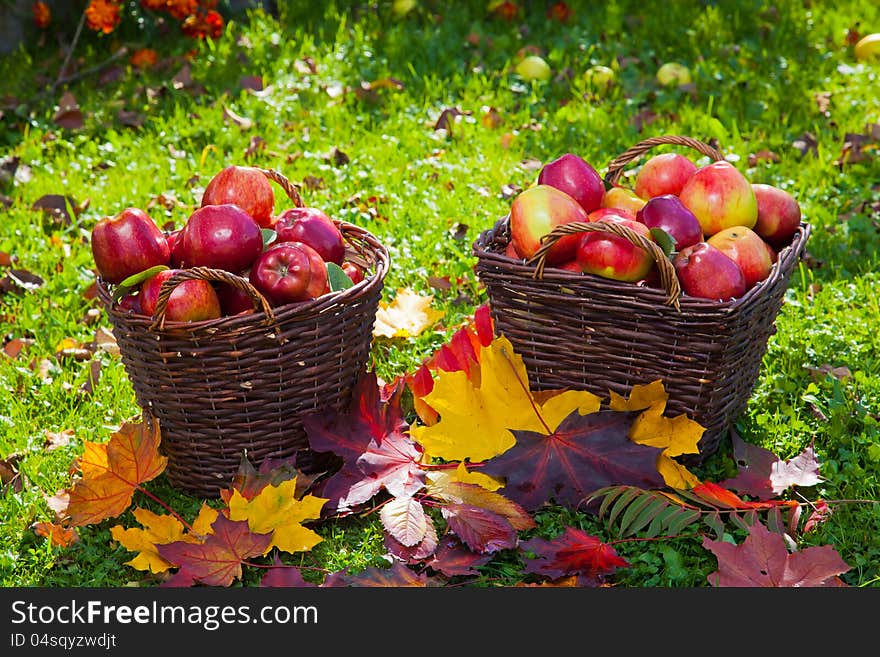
[
  {"x": 720, "y": 197},
  {"x": 289, "y": 272},
  {"x": 779, "y": 214},
  {"x": 221, "y": 237},
  {"x": 127, "y": 244},
  {"x": 313, "y": 227},
  {"x": 615, "y": 257},
  {"x": 624, "y": 198},
  {"x": 662, "y": 174},
  {"x": 245, "y": 187},
  {"x": 577, "y": 178},
  {"x": 192, "y": 300},
  {"x": 706, "y": 273},
  {"x": 746, "y": 248},
  {"x": 535, "y": 212},
  {"x": 668, "y": 213}
]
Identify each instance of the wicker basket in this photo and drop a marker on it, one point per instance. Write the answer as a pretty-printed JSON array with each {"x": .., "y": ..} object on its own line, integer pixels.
[
  {"x": 586, "y": 332},
  {"x": 237, "y": 384}
]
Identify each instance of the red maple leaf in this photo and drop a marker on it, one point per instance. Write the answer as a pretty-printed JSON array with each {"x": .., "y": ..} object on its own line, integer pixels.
[
  {"x": 584, "y": 454},
  {"x": 217, "y": 561},
  {"x": 373, "y": 444},
  {"x": 395, "y": 576},
  {"x": 480, "y": 529},
  {"x": 573, "y": 553},
  {"x": 762, "y": 474},
  {"x": 762, "y": 560},
  {"x": 454, "y": 559},
  {"x": 281, "y": 575}
]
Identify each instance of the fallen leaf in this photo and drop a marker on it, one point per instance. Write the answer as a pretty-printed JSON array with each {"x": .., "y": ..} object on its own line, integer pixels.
[
  {"x": 251, "y": 82},
  {"x": 58, "y": 206},
  {"x": 762, "y": 474},
  {"x": 477, "y": 418},
  {"x": 240, "y": 121},
  {"x": 762, "y": 156},
  {"x": 454, "y": 559},
  {"x": 10, "y": 477},
  {"x": 420, "y": 551},
  {"x": 396, "y": 576},
  {"x": 276, "y": 512},
  {"x": 217, "y": 561},
  {"x": 110, "y": 472},
  {"x": 404, "y": 518},
  {"x": 574, "y": 552},
  {"x": 68, "y": 115},
  {"x": 807, "y": 143},
  {"x": 281, "y": 575},
  {"x": 58, "y": 535},
  {"x": 763, "y": 560},
  {"x": 409, "y": 315},
  {"x": 157, "y": 530},
  {"x": 583, "y": 454},
  {"x": 481, "y": 530},
  {"x": 255, "y": 146},
  {"x": 130, "y": 118},
  {"x": 445, "y": 488},
  {"x": 55, "y": 439}
]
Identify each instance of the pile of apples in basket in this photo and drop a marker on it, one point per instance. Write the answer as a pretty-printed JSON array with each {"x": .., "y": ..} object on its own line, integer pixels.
[
  {"x": 725, "y": 231},
  {"x": 287, "y": 257}
]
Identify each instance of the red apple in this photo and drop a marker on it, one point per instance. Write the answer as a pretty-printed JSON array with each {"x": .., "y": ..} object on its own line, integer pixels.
[
  {"x": 623, "y": 198},
  {"x": 779, "y": 214},
  {"x": 615, "y": 257},
  {"x": 245, "y": 187},
  {"x": 191, "y": 301},
  {"x": 707, "y": 273},
  {"x": 353, "y": 271},
  {"x": 510, "y": 251},
  {"x": 720, "y": 197},
  {"x": 577, "y": 178},
  {"x": 233, "y": 300},
  {"x": 311, "y": 226},
  {"x": 746, "y": 248},
  {"x": 173, "y": 239},
  {"x": 663, "y": 174},
  {"x": 289, "y": 272},
  {"x": 571, "y": 265},
  {"x": 538, "y": 210},
  {"x": 131, "y": 303},
  {"x": 127, "y": 244},
  {"x": 221, "y": 237},
  {"x": 668, "y": 213}
]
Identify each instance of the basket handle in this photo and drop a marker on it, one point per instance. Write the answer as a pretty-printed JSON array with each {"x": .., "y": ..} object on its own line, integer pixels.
[
  {"x": 616, "y": 166},
  {"x": 206, "y": 274},
  {"x": 668, "y": 277},
  {"x": 289, "y": 187}
]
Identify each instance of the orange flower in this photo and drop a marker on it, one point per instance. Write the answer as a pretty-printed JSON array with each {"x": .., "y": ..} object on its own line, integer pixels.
[
  {"x": 103, "y": 15},
  {"x": 559, "y": 11},
  {"x": 42, "y": 15},
  {"x": 201, "y": 25},
  {"x": 181, "y": 9},
  {"x": 144, "y": 58}
]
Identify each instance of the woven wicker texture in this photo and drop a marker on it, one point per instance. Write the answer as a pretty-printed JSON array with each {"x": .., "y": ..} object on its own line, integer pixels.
[
  {"x": 586, "y": 332},
  {"x": 222, "y": 387}
]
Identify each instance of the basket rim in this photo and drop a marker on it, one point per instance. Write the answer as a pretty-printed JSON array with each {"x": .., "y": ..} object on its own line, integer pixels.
[
  {"x": 787, "y": 259},
  {"x": 281, "y": 313}
]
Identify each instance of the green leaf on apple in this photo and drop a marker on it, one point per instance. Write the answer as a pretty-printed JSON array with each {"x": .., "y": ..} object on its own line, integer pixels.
[
  {"x": 269, "y": 236},
  {"x": 337, "y": 277},
  {"x": 135, "y": 280},
  {"x": 664, "y": 240}
]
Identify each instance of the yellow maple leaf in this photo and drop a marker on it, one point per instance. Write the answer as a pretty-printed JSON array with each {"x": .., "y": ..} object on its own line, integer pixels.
[
  {"x": 462, "y": 474},
  {"x": 476, "y": 420},
  {"x": 159, "y": 530},
  {"x": 409, "y": 315},
  {"x": 275, "y": 509},
  {"x": 674, "y": 435},
  {"x": 110, "y": 472}
]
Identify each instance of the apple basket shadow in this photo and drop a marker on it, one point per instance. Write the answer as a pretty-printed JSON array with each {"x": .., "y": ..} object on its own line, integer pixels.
[
  {"x": 237, "y": 385},
  {"x": 585, "y": 332}
]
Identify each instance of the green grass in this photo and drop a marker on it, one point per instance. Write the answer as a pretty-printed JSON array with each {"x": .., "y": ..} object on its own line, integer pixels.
[{"x": 756, "y": 75}]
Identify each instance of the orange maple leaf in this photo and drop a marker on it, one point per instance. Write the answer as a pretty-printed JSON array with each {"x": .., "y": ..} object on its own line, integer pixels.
[{"x": 112, "y": 471}]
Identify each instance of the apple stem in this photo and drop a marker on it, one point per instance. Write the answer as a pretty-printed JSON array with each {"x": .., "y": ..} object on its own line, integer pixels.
[{"x": 527, "y": 391}]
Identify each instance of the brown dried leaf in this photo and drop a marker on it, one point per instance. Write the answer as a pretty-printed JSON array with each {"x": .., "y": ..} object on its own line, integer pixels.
[
  {"x": 807, "y": 143},
  {"x": 313, "y": 183},
  {"x": 338, "y": 157},
  {"x": 306, "y": 66},
  {"x": 56, "y": 205},
  {"x": 19, "y": 281},
  {"x": 58, "y": 535},
  {"x": 491, "y": 118},
  {"x": 841, "y": 373},
  {"x": 5, "y": 259},
  {"x": 762, "y": 156},
  {"x": 241, "y": 121},
  {"x": 55, "y": 439},
  {"x": 251, "y": 82},
  {"x": 256, "y": 145},
  {"x": 69, "y": 115},
  {"x": 183, "y": 78},
  {"x": 823, "y": 101},
  {"x": 130, "y": 118},
  {"x": 15, "y": 346},
  {"x": 10, "y": 477},
  {"x": 88, "y": 387}
]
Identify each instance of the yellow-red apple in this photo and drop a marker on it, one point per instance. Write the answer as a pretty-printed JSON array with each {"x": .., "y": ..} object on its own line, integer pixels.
[
  {"x": 538, "y": 210},
  {"x": 706, "y": 273},
  {"x": 746, "y": 248},
  {"x": 665, "y": 173},
  {"x": 779, "y": 214},
  {"x": 576, "y": 177},
  {"x": 720, "y": 197},
  {"x": 615, "y": 257}
]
